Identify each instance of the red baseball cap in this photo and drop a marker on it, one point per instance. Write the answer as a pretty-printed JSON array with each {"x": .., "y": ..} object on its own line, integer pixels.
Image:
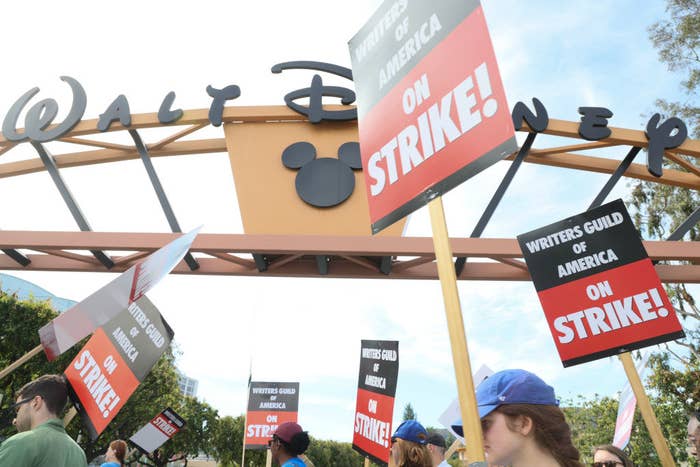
[{"x": 287, "y": 430}]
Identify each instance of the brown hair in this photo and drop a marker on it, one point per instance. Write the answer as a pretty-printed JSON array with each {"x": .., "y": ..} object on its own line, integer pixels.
[
  {"x": 614, "y": 450},
  {"x": 412, "y": 454},
  {"x": 52, "y": 389},
  {"x": 551, "y": 431},
  {"x": 119, "y": 448}
]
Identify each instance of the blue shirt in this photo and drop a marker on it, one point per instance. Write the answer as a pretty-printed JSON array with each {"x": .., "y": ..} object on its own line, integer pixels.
[{"x": 294, "y": 462}]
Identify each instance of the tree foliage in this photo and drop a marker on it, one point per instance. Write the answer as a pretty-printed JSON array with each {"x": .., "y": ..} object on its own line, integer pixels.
[
  {"x": 333, "y": 453},
  {"x": 659, "y": 209},
  {"x": 409, "y": 413},
  {"x": 592, "y": 423},
  {"x": 18, "y": 335}
]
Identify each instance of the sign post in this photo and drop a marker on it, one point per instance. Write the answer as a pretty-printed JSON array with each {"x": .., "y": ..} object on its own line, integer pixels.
[
  {"x": 432, "y": 113},
  {"x": 458, "y": 338}
]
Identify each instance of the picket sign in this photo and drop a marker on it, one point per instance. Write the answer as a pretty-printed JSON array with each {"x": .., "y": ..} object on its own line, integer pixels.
[{"x": 108, "y": 301}]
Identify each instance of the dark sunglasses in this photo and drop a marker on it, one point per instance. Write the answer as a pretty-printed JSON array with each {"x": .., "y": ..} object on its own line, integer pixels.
[
  {"x": 270, "y": 441},
  {"x": 17, "y": 405},
  {"x": 606, "y": 464}
]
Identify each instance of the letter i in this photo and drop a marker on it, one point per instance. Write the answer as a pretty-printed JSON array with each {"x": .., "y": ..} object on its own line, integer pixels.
[
  {"x": 662, "y": 311},
  {"x": 484, "y": 84}
]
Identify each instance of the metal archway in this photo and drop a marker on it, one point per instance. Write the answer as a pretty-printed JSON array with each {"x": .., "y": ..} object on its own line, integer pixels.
[{"x": 308, "y": 255}]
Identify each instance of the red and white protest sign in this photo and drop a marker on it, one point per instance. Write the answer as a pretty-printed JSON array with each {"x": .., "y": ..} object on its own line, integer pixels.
[
  {"x": 269, "y": 405},
  {"x": 432, "y": 111},
  {"x": 83, "y": 318},
  {"x": 374, "y": 409},
  {"x": 597, "y": 286},
  {"x": 114, "y": 361},
  {"x": 156, "y": 432}
]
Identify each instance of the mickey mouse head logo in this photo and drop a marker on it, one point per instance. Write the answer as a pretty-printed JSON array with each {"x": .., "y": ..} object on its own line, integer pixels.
[{"x": 326, "y": 181}]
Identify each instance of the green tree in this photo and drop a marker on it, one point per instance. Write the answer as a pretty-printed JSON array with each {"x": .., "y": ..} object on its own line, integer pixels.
[
  {"x": 660, "y": 209},
  {"x": 333, "y": 454},
  {"x": 227, "y": 443},
  {"x": 592, "y": 423},
  {"x": 18, "y": 335},
  {"x": 409, "y": 413}
]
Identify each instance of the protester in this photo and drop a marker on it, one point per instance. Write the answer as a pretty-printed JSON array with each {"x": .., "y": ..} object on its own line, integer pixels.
[
  {"x": 522, "y": 423},
  {"x": 408, "y": 446},
  {"x": 437, "y": 447},
  {"x": 608, "y": 455},
  {"x": 694, "y": 435},
  {"x": 42, "y": 441},
  {"x": 287, "y": 443},
  {"x": 115, "y": 454}
]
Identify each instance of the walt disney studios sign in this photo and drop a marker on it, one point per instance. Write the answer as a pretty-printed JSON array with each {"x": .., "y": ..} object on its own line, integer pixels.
[{"x": 668, "y": 134}]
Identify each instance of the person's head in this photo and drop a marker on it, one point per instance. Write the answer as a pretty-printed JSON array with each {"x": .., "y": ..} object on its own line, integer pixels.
[
  {"x": 436, "y": 446},
  {"x": 40, "y": 400},
  {"x": 116, "y": 451},
  {"x": 694, "y": 435},
  {"x": 520, "y": 415},
  {"x": 289, "y": 440},
  {"x": 607, "y": 455},
  {"x": 408, "y": 445}
]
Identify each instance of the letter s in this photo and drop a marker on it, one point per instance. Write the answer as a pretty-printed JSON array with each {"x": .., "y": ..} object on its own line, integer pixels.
[
  {"x": 567, "y": 334},
  {"x": 80, "y": 363},
  {"x": 377, "y": 173}
]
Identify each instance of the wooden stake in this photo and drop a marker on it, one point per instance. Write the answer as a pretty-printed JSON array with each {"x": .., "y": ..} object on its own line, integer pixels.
[
  {"x": 21, "y": 361},
  {"x": 366, "y": 461},
  {"x": 69, "y": 416},
  {"x": 268, "y": 459},
  {"x": 647, "y": 412},
  {"x": 453, "y": 448},
  {"x": 458, "y": 340}
]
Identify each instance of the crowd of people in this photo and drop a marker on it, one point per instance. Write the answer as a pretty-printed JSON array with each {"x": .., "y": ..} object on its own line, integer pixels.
[{"x": 521, "y": 422}]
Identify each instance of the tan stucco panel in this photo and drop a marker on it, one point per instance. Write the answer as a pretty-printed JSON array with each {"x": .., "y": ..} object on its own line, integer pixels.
[{"x": 267, "y": 198}]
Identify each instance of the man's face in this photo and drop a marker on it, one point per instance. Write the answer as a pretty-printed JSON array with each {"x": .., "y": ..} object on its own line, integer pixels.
[
  {"x": 23, "y": 416},
  {"x": 694, "y": 437}
]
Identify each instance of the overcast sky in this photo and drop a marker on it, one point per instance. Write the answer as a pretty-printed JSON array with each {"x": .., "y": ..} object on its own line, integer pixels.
[{"x": 568, "y": 54}]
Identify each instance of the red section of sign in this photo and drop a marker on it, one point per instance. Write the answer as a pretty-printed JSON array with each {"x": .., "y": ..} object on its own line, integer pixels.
[
  {"x": 101, "y": 379},
  {"x": 261, "y": 425},
  {"x": 165, "y": 426},
  {"x": 372, "y": 427},
  {"x": 464, "y": 117},
  {"x": 609, "y": 310}
]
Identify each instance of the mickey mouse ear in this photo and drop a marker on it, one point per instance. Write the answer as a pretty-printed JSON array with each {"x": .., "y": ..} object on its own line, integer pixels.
[
  {"x": 297, "y": 155},
  {"x": 349, "y": 153}
]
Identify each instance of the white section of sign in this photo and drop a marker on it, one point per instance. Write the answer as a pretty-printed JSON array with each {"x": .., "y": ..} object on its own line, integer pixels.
[
  {"x": 452, "y": 413},
  {"x": 83, "y": 318},
  {"x": 149, "y": 438},
  {"x": 627, "y": 404}
]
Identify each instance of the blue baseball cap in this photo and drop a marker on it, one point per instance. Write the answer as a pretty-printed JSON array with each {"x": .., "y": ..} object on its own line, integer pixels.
[
  {"x": 510, "y": 387},
  {"x": 411, "y": 430}
]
